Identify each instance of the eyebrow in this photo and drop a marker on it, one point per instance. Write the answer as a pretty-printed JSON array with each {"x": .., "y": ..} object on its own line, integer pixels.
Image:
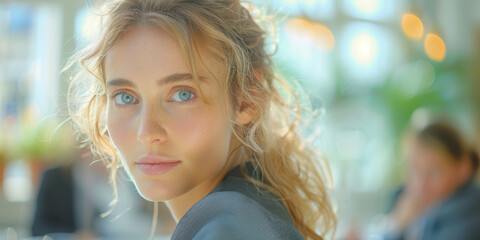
[{"x": 176, "y": 77}]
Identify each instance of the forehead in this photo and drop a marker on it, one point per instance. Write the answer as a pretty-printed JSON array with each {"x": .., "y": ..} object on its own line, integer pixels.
[
  {"x": 144, "y": 52},
  {"x": 425, "y": 156}
]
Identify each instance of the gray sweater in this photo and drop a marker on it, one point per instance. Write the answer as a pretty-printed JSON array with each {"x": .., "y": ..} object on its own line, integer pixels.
[{"x": 237, "y": 209}]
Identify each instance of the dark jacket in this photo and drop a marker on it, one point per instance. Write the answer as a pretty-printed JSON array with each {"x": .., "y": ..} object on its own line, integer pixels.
[
  {"x": 54, "y": 211},
  {"x": 456, "y": 218},
  {"x": 237, "y": 209},
  {"x": 59, "y": 206}
]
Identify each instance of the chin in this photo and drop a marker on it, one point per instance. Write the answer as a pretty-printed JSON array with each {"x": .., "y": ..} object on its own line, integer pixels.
[
  {"x": 155, "y": 191},
  {"x": 153, "y": 197}
]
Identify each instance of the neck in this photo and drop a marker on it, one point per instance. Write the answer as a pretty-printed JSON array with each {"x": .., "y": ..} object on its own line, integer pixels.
[{"x": 180, "y": 205}]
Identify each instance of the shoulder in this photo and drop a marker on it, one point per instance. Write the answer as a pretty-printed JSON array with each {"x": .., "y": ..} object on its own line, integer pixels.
[
  {"x": 232, "y": 215},
  {"x": 55, "y": 178},
  {"x": 57, "y": 173},
  {"x": 459, "y": 216},
  {"x": 463, "y": 203}
]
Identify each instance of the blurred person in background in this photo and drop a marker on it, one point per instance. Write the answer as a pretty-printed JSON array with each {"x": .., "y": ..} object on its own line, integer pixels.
[
  {"x": 439, "y": 199},
  {"x": 72, "y": 198},
  {"x": 61, "y": 203}
]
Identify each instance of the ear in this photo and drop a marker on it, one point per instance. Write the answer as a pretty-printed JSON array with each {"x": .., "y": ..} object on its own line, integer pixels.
[
  {"x": 246, "y": 110},
  {"x": 244, "y": 113}
]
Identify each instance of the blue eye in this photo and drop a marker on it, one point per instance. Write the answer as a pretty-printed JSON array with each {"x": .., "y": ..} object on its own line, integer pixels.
[
  {"x": 124, "y": 98},
  {"x": 182, "y": 95}
]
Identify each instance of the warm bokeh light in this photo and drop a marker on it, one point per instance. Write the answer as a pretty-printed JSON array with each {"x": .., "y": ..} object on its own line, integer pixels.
[
  {"x": 299, "y": 28},
  {"x": 318, "y": 35},
  {"x": 364, "y": 49},
  {"x": 412, "y": 26},
  {"x": 322, "y": 37},
  {"x": 435, "y": 47},
  {"x": 298, "y": 24}
]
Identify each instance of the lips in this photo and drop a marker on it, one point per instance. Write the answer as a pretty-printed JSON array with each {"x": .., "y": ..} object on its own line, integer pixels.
[{"x": 156, "y": 165}]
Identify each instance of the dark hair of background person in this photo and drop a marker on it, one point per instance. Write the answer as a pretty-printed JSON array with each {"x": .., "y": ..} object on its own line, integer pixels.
[{"x": 447, "y": 137}]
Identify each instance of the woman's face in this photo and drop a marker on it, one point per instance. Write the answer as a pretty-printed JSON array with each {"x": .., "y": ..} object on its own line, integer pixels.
[
  {"x": 170, "y": 141},
  {"x": 432, "y": 174}
]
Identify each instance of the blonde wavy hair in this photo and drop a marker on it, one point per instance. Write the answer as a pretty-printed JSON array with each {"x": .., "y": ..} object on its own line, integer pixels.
[{"x": 296, "y": 173}]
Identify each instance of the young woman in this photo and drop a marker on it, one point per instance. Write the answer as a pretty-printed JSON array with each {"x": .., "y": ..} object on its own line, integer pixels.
[{"x": 182, "y": 95}]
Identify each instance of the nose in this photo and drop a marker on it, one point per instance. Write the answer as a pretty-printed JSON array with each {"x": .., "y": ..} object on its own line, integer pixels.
[{"x": 150, "y": 129}]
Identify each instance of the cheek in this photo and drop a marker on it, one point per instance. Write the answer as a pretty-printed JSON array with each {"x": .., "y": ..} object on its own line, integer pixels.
[
  {"x": 120, "y": 130},
  {"x": 203, "y": 132},
  {"x": 443, "y": 184}
]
